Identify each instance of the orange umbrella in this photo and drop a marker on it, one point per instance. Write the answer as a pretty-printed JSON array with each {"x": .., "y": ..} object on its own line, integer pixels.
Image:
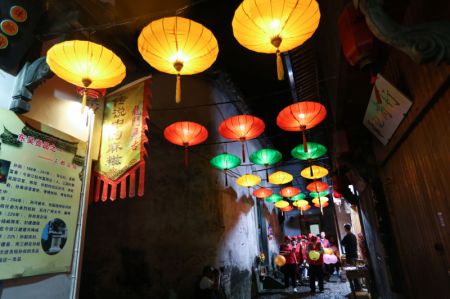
[
  {"x": 262, "y": 193},
  {"x": 300, "y": 117},
  {"x": 317, "y": 186},
  {"x": 241, "y": 128},
  {"x": 289, "y": 191}
]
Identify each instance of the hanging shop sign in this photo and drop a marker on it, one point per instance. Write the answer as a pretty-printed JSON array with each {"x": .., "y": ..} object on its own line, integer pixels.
[
  {"x": 40, "y": 186},
  {"x": 387, "y": 108},
  {"x": 122, "y": 148}
]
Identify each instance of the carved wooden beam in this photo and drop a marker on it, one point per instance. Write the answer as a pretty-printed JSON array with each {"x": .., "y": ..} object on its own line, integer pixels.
[{"x": 427, "y": 42}]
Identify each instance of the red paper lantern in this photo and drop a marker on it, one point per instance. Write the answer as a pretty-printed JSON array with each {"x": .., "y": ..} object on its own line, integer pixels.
[
  {"x": 287, "y": 209},
  {"x": 324, "y": 205},
  {"x": 300, "y": 117},
  {"x": 186, "y": 133},
  {"x": 317, "y": 186},
  {"x": 289, "y": 191},
  {"x": 304, "y": 208},
  {"x": 262, "y": 193},
  {"x": 241, "y": 128}
]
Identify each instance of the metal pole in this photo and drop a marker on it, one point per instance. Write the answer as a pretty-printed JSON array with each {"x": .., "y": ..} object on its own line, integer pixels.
[{"x": 81, "y": 224}]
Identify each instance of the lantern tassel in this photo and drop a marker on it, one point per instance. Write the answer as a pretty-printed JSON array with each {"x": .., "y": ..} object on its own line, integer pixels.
[
  {"x": 84, "y": 100},
  {"x": 226, "y": 177},
  {"x": 178, "y": 90},
  {"x": 243, "y": 152},
  {"x": 186, "y": 158},
  {"x": 280, "y": 69},
  {"x": 305, "y": 145}
]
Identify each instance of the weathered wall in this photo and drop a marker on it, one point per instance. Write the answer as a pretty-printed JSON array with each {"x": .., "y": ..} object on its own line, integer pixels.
[{"x": 156, "y": 246}]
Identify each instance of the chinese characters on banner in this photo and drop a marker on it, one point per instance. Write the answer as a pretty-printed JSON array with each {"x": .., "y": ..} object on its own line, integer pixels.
[
  {"x": 122, "y": 148},
  {"x": 387, "y": 108},
  {"x": 39, "y": 200}
]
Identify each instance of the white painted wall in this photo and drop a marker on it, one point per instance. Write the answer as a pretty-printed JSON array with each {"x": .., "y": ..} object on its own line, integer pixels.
[{"x": 6, "y": 86}]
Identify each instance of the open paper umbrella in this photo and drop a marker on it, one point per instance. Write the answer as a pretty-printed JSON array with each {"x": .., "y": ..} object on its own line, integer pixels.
[
  {"x": 275, "y": 26},
  {"x": 241, "y": 128},
  {"x": 301, "y": 204},
  {"x": 274, "y": 198},
  {"x": 300, "y": 117},
  {"x": 186, "y": 133},
  {"x": 297, "y": 197},
  {"x": 280, "y": 178},
  {"x": 225, "y": 162},
  {"x": 320, "y": 202},
  {"x": 281, "y": 204},
  {"x": 317, "y": 186},
  {"x": 289, "y": 192},
  {"x": 262, "y": 193},
  {"x": 321, "y": 205},
  {"x": 315, "y": 150},
  {"x": 266, "y": 157},
  {"x": 178, "y": 46},
  {"x": 304, "y": 208},
  {"x": 319, "y": 194},
  {"x": 314, "y": 172},
  {"x": 286, "y": 209},
  {"x": 86, "y": 64},
  {"x": 248, "y": 180}
]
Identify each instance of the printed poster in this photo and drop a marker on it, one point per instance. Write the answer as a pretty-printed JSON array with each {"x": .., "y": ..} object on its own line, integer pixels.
[{"x": 40, "y": 186}]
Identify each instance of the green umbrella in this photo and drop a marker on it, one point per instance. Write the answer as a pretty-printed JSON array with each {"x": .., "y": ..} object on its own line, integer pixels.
[
  {"x": 315, "y": 150},
  {"x": 225, "y": 162},
  {"x": 318, "y": 194},
  {"x": 266, "y": 157},
  {"x": 274, "y": 198},
  {"x": 297, "y": 197}
]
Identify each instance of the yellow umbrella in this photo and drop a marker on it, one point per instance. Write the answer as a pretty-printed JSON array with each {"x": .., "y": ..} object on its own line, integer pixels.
[
  {"x": 314, "y": 172},
  {"x": 280, "y": 178},
  {"x": 275, "y": 26},
  {"x": 177, "y": 45},
  {"x": 300, "y": 203},
  {"x": 86, "y": 64},
  {"x": 322, "y": 200},
  {"x": 248, "y": 180},
  {"x": 281, "y": 204}
]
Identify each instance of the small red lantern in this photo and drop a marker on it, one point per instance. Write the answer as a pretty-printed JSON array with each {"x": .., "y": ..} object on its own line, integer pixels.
[
  {"x": 287, "y": 209},
  {"x": 186, "y": 133},
  {"x": 300, "y": 117},
  {"x": 289, "y": 191},
  {"x": 262, "y": 193},
  {"x": 241, "y": 128}
]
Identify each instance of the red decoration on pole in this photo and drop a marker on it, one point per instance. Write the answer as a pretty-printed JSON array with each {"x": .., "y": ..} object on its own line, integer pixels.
[
  {"x": 241, "y": 128},
  {"x": 300, "y": 117},
  {"x": 186, "y": 133}
]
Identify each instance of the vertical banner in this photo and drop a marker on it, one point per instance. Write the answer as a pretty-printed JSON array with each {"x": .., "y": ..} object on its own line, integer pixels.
[
  {"x": 122, "y": 150},
  {"x": 40, "y": 186}
]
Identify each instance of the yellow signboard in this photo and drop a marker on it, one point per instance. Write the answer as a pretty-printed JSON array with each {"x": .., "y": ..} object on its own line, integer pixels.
[{"x": 40, "y": 188}]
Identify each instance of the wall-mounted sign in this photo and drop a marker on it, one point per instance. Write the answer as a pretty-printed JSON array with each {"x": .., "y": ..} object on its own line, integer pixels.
[
  {"x": 9, "y": 27},
  {"x": 18, "y": 13},
  {"x": 3, "y": 41},
  {"x": 39, "y": 200},
  {"x": 387, "y": 108}
]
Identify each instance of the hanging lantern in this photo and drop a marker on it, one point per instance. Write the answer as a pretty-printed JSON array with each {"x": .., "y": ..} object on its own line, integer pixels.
[
  {"x": 322, "y": 200},
  {"x": 300, "y": 117},
  {"x": 86, "y": 64},
  {"x": 297, "y": 197},
  {"x": 225, "y": 162},
  {"x": 324, "y": 205},
  {"x": 304, "y": 208},
  {"x": 317, "y": 186},
  {"x": 178, "y": 46},
  {"x": 266, "y": 157},
  {"x": 315, "y": 150},
  {"x": 289, "y": 192},
  {"x": 300, "y": 203},
  {"x": 186, "y": 133},
  {"x": 314, "y": 172},
  {"x": 241, "y": 128},
  {"x": 248, "y": 180},
  {"x": 319, "y": 194},
  {"x": 275, "y": 26},
  {"x": 274, "y": 198},
  {"x": 280, "y": 178},
  {"x": 262, "y": 193},
  {"x": 281, "y": 204},
  {"x": 286, "y": 209}
]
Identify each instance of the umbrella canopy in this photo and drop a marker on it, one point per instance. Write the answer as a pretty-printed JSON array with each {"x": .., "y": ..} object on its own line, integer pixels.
[
  {"x": 281, "y": 204},
  {"x": 248, "y": 180},
  {"x": 317, "y": 186},
  {"x": 225, "y": 161},
  {"x": 274, "y": 198},
  {"x": 289, "y": 191},
  {"x": 262, "y": 193},
  {"x": 265, "y": 156},
  {"x": 322, "y": 200},
  {"x": 300, "y": 203},
  {"x": 314, "y": 172},
  {"x": 319, "y": 194},
  {"x": 287, "y": 209},
  {"x": 280, "y": 178},
  {"x": 298, "y": 197},
  {"x": 315, "y": 150}
]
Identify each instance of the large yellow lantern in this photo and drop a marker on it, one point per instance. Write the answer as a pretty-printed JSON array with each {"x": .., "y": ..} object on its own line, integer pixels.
[
  {"x": 275, "y": 26},
  {"x": 248, "y": 180},
  {"x": 86, "y": 64},
  {"x": 280, "y": 178},
  {"x": 314, "y": 172},
  {"x": 178, "y": 46},
  {"x": 322, "y": 200},
  {"x": 281, "y": 204},
  {"x": 300, "y": 203}
]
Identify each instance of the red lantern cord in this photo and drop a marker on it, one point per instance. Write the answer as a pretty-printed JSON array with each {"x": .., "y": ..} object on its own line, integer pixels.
[
  {"x": 241, "y": 128},
  {"x": 185, "y": 133}
]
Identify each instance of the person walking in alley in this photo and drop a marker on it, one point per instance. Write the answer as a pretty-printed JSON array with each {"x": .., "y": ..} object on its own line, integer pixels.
[
  {"x": 351, "y": 252},
  {"x": 315, "y": 261},
  {"x": 288, "y": 251}
]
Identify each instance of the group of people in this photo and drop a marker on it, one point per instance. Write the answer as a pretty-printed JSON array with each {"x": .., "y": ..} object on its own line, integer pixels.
[{"x": 304, "y": 257}]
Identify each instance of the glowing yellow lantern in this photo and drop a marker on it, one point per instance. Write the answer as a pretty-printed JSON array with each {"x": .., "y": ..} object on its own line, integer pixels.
[
  {"x": 321, "y": 201},
  {"x": 300, "y": 203},
  {"x": 86, "y": 64},
  {"x": 248, "y": 180},
  {"x": 178, "y": 46},
  {"x": 281, "y": 204},
  {"x": 280, "y": 260},
  {"x": 280, "y": 178},
  {"x": 314, "y": 172},
  {"x": 275, "y": 26}
]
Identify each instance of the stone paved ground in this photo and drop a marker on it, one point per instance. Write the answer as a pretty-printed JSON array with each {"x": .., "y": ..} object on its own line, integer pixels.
[{"x": 334, "y": 289}]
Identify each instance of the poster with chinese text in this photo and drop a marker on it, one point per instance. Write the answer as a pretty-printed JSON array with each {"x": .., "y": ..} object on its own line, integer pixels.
[{"x": 40, "y": 186}]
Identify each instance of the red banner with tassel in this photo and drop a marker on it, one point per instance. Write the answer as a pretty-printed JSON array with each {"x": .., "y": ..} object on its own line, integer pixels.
[{"x": 122, "y": 151}]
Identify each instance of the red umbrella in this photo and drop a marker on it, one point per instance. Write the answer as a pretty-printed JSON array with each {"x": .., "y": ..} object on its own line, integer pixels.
[
  {"x": 241, "y": 128},
  {"x": 262, "y": 193},
  {"x": 185, "y": 133},
  {"x": 317, "y": 186},
  {"x": 289, "y": 191},
  {"x": 300, "y": 117}
]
